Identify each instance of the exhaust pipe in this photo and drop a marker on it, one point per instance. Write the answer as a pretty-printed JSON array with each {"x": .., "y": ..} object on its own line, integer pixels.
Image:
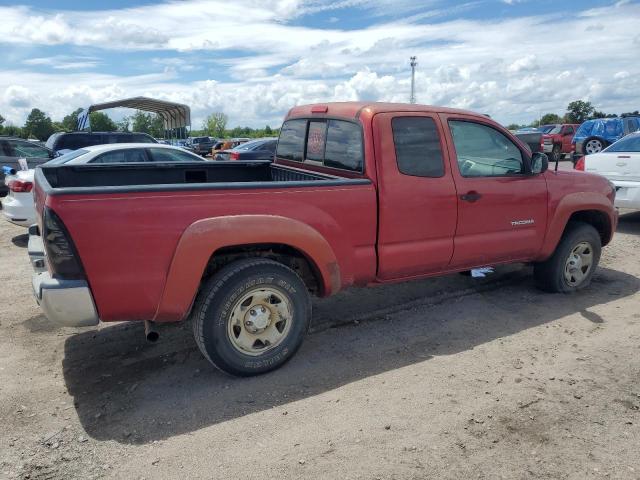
[{"x": 150, "y": 331}]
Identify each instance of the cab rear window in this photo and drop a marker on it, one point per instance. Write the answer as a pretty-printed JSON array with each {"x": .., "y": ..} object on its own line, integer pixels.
[{"x": 327, "y": 142}]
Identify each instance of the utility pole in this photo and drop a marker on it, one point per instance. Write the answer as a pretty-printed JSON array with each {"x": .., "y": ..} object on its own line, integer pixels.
[{"x": 413, "y": 80}]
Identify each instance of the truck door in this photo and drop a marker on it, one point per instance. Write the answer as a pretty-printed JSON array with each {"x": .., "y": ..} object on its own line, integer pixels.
[
  {"x": 567, "y": 136},
  {"x": 416, "y": 195},
  {"x": 502, "y": 208}
]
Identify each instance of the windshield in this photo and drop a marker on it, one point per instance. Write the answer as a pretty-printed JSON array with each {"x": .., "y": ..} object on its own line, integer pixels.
[
  {"x": 67, "y": 157},
  {"x": 551, "y": 129},
  {"x": 626, "y": 144},
  {"x": 249, "y": 145}
]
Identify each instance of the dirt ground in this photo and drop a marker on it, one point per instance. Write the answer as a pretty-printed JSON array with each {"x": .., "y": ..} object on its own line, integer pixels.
[{"x": 446, "y": 378}]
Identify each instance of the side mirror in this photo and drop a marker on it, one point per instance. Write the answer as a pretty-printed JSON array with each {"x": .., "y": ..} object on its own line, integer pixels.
[{"x": 539, "y": 163}]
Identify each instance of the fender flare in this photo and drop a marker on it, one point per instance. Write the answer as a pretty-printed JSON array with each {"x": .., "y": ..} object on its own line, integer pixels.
[
  {"x": 203, "y": 238},
  {"x": 568, "y": 205}
]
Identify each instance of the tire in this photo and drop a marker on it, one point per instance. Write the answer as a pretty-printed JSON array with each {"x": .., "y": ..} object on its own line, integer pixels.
[
  {"x": 556, "y": 154},
  {"x": 593, "y": 145},
  {"x": 557, "y": 274},
  {"x": 234, "y": 317}
]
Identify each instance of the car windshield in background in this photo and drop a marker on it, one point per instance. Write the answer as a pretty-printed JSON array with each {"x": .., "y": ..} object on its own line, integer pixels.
[
  {"x": 626, "y": 144},
  {"x": 551, "y": 129},
  {"x": 255, "y": 145},
  {"x": 67, "y": 157}
]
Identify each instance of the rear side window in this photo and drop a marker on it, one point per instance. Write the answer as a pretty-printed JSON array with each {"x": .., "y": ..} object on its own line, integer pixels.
[
  {"x": 331, "y": 143},
  {"x": 418, "y": 149},
  {"x": 171, "y": 155},
  {"x": 344, "y": 146},
  {"x": 121, "y": 156},
  {"x": 292, "y": 137}
]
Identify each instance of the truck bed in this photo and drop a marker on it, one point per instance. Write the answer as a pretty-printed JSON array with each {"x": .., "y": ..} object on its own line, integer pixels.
[
  {"x": 128, "y": 221},
  {"x": 65, "y": 179}
]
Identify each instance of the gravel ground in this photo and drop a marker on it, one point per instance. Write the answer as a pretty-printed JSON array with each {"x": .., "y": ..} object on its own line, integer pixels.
[{"x": 445, "y": 378}]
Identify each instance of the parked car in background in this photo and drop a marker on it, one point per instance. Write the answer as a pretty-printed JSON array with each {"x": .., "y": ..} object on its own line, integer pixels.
[
  {"x": 12, "y": 149},
  {"x": 359, "y": 194},
  {"x": 261, "y": 149},
  {"x": 556, "y": 140},
  {"x": 63, "y": 141},
  {"x": 532, "y": 136},
  {"x": 593, "y": 136},
  {"x": 620, "y": 163},
  {"x": 200, "y": 145},
  {"x": 227, "y": 144},
  {"x": 17, "y": 206}
]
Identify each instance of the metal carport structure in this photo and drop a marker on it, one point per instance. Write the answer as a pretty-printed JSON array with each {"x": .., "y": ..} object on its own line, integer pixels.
[{"x": 176, "y": 116}]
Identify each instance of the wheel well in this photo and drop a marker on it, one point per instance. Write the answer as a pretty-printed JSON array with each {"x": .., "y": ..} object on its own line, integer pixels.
[
  {"x": 285, "y": 254},
  {"x": 599, "y": 220}
]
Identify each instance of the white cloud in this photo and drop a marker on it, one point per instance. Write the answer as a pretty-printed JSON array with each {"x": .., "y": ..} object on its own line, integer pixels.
[{"x": 64, "y": 62}]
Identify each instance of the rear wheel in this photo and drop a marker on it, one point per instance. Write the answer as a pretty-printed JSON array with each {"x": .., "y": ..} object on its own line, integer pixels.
[
  {"x": 572, "y": 265},
  {"x": 251, "y": 317},
  {"x": 593, "y": 145}
]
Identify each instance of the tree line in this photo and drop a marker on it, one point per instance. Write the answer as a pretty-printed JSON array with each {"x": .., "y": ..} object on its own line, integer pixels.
[
  {"x": 39, "y": 125},
  {"x": 577, "y": 112}
]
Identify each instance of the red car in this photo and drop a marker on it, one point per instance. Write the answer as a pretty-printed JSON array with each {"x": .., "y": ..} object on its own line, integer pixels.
[
  {"x": 556, "y": 140},
  {"x": 359, "y": 194}
]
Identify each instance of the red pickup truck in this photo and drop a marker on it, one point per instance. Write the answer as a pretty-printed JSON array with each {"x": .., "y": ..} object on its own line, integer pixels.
[
  {"x": 359, "y": 194},
  {"x": 556, "y": 140}
]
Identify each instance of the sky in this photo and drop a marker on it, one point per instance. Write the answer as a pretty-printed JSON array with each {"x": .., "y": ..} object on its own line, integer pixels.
[{"x": 255, "y": 59}]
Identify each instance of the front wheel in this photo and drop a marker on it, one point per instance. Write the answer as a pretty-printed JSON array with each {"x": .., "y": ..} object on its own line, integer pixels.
[
  {"x": 556, "y": 153},
  {"x": 251, "y": 316},
  {"x": 572, "y": 265}
]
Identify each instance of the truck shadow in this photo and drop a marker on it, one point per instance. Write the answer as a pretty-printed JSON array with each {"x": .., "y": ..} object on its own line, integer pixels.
[
  {"x": 132, "y": 392},
  {"x": 629, "y": 223}
]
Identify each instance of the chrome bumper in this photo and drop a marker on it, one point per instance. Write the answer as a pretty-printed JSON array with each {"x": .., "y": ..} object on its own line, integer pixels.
[{"x": 65, "y": 302}]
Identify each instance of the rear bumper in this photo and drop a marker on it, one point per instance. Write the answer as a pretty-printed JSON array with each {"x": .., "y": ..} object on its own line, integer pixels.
[
  {"x": 16, "y": 211},
  {"x": 67, "y": 303},
  {"x": 627, "y": 194}
]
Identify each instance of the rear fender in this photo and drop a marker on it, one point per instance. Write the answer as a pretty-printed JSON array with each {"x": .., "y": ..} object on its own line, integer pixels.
[{"x": 204, "y": 237}]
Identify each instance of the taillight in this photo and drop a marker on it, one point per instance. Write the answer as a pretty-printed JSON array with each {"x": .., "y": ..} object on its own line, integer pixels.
[
  {"x": 62, "y": 256},
  {"x": 579, "y": 164},
  {"x": 235, "y": 155},
  {"x": 20, "y": 186}
]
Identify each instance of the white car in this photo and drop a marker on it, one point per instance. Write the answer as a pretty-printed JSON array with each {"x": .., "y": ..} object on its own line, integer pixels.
[
  {"x": 620, "y": 163},
  {"x": 18, "y": 206}
]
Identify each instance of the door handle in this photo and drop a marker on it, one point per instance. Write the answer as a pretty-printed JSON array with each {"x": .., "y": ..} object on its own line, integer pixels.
[{"x": 472, "y": 196}]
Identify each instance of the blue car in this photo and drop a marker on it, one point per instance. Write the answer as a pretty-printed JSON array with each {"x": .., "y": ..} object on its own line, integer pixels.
[{"x": 593, "y": 136}]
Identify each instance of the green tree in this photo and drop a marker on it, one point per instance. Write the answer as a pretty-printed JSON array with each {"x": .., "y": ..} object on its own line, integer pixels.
[
  {"x": 147, "y": 123},
  {"x": 100, "y": 122},
  {"x": 215, "y": 124},
  {"x": 550, "y": 118},
  {"x": 123, "y": 125},
  {"x": 578, "y": 111},
  {"x": 38, "y": 125},
  {"x": 69, "y": 122},
  {"x": 1, "y": 123},
  {"x": 267, "y": 131},
  {"x": 14, "y": 131}
]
